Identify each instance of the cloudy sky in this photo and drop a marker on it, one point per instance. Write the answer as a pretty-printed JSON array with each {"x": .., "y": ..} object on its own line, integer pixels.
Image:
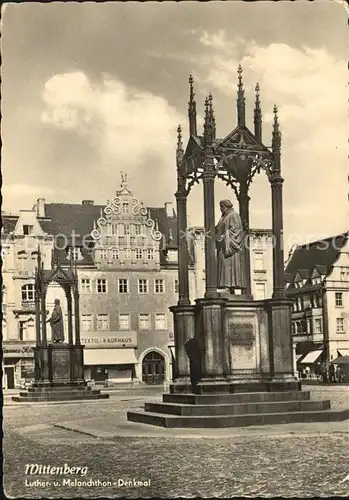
[{"x": 89, "y": 90}]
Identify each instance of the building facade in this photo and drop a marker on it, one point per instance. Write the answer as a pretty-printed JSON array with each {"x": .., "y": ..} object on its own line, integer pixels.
[
  {"x": 126, "y": 259},
  {"x": 261, "y": 259},
  {"x": 317, "y": 276}
]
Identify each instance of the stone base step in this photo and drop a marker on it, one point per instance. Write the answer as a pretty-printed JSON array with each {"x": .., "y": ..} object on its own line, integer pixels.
[
  {"x": 236, "y": 387},
  {"x": 241, "y": 397},
  {"x": 170, "y": 421},
  {"x": 62, "y": 396},
  {"x": 57, "y": 387},
  {"x": 236, "y": 408},
  {"x": 76, "y": 392}
]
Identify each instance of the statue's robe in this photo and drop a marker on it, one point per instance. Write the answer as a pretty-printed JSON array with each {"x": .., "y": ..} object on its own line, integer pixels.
[
  {"x": 56, "y": 322},
  {"x": 230, "y": 236}
]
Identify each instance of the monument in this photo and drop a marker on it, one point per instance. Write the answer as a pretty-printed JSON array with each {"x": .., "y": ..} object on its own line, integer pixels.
[
  {"x": 59, "y": 365},
  {"x": 233, "y": 353}
]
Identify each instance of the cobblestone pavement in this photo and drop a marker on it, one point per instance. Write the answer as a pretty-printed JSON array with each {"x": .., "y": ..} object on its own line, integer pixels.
[{"x": 286, "y": 465}]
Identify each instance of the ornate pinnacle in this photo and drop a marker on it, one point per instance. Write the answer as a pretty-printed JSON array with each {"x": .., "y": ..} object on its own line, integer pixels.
[
  {"x": 240, "y": 99},
  {"x": 209, "y": 124},
  {"x": 276, "y": 141},
  {"x": 257, "y": 116},
  {"x": 192, "y": 108},
  {"x": 257, "y": 95},
  {"x": 180, "y": 151}
]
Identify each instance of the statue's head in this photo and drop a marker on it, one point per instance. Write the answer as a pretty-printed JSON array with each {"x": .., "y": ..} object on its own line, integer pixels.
[
  {"x": 57, "y": 302},
  {"x": 225, "y": 205}
]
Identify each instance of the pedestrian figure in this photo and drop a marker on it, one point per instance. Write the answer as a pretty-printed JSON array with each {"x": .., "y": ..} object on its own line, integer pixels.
[{"x": 331, "y": 373}]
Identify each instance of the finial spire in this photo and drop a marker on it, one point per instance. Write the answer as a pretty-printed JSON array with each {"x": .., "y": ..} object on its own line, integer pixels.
[
  {"x": 209, "y": 124},
  {"x": 240, "y": 98},
  {"x": 123, "y": 179},
  {"x": 276, "y": 140},
  {"x": 54, "y": 259},
  {"x": 257, "y": 116},
  {"x": 192, "y": 108},
  {"x": 180, "y": 151}
]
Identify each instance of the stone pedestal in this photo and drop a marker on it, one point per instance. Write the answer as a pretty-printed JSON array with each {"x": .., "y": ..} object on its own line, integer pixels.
[
  {"x": 241, "y": 352},
  {"x": 59, "y": 375}
]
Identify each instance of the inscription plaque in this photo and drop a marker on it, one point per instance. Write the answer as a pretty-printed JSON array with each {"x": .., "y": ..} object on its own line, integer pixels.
[
  {"x": 60, "y": 364},
  {"x": 241, "y": 334}
]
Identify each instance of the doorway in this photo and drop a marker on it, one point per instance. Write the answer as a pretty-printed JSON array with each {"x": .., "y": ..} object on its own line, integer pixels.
[
  {"x": 10, "y": 377},
  {"x": 153, "y": 368}
]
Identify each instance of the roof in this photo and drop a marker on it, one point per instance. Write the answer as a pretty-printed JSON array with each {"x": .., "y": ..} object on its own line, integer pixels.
[
  {"x": 8, "y": 223},
  {"x": 321, "y": 253}
]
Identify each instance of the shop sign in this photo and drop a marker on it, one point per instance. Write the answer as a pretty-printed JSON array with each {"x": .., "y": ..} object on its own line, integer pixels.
[
  {"x": 110, "y": 339},
  {"x": 18, "y": 350}
]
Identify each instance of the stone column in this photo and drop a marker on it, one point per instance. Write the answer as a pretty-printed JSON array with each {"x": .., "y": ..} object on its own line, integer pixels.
[
  {"x": 212, "y": 344},
  {"x": 70, "y": 316},
  {"x": 244, "y": 209},
  {"x": 184, "y": 327},
  {"x": 183, "y": 278},
  {"x": 43, "y": 319},
  {"x": 37, "y": 319},
  {"x": 77, "y": 318},
  {"x": 209, "y": 215},
  {"x": 278, "y": 246}
]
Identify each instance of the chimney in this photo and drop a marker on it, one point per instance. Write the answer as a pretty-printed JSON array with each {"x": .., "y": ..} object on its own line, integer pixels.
[
  {"x": 40, "y": 207},
  {"x": 88, "y": 202},
  {"x": 169, "y": 208}
]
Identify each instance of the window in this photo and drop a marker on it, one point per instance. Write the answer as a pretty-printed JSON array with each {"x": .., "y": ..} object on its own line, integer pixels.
[
  {"x": 142, "y": 286},
  {"x": 339, "y": 299},
  {"x": 85, "y": 285},
  {"x": 138, "y": 229},
  {"x": 176, "y": 286},
  {"x": 293, "y": 327},
  {"x": 124, "y": 321},
  {"x": 121, "y": 241},
  {"x": 27, "y": 230},
  {"x": 127, "y": 254},
  {"x": 150, "y": 254},
  {"x": 144, "y": 321},
  {"x": 28, "y": 292},
  {"x": 123, "y": 285},
  {"x": 21, "y": 329},
  {"x": 159, "y": 286},
  {"x": 132, "y": 241},
  {"x": 308, "y": 326},
  {"x": 139, "y": 254},
  {"x": 258, "y": 261},
  {"x": 103, "y": 254},
  {"x": 160, "y": 321},
  {"x": 343, "y": 275},
  {"x": 340, "y": 325},
  {"x": 101, "y": 285},
  {"x": 86, "y": 322},
  {"x": 114, "y": 229},
  {"x": 125, "y": 208},
  {"x": 102, "y": 322},
  {"x": 115, "y": 253},
  {"x": 126, "y": 229},
  {"x": 260, "y": 291},
  {"x": 318, "y": 325}
]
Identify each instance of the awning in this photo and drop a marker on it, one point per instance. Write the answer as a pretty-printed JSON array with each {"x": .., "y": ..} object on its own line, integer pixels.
[
  {"x": 109, "y": 357},
  {"x": 311, "y": 357},
  {"x": 343, "y": 352},
  {"x": 298, "y": 356}
]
